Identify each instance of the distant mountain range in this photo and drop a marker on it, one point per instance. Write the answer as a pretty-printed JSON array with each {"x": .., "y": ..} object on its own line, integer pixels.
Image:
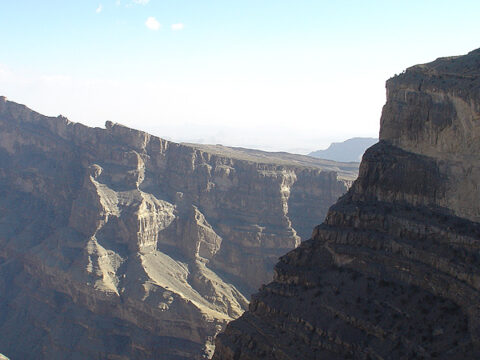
[{"x": 349, "y": 150}]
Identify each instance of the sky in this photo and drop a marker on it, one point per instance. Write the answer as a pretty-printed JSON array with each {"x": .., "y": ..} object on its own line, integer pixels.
[{"x": 275, "y": 75}]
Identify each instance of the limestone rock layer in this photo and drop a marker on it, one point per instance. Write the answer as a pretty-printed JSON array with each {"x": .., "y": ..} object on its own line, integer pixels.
[
  {"x": 394, "y": 271},
  {"x": 115, "y": 244}
]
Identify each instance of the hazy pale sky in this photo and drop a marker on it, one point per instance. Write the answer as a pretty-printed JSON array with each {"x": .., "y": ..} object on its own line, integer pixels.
[{"x": 273, "y": 74}]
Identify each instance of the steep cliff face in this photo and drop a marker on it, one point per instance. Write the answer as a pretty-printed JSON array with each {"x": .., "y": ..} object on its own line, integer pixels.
[
  {"x": 117, "y": 244},
  {"x": 394, "y": 271}
]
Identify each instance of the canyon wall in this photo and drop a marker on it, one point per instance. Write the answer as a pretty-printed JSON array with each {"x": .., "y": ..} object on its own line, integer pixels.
[
  {"x": 116, "y": 244},
  {"x": 394, "y": 271}
]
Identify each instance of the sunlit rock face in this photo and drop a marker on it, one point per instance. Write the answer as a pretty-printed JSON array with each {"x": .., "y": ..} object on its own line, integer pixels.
[
  {"x": 115, "y": 244},
  {"x": 394, "y": 271}
]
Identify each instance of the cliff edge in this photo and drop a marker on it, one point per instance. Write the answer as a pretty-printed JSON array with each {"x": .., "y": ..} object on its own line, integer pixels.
[
  {"x": 116, "y": 244},
  {"x": 394, "y": 271}
]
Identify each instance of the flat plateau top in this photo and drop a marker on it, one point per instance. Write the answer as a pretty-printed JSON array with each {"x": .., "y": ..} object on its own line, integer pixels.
[{"x": 345, "y": 170}]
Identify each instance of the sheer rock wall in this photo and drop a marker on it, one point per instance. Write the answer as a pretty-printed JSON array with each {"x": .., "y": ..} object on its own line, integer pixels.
[
  {"x": 121, "y": 245},
  {"x": 394, "y": 271}
]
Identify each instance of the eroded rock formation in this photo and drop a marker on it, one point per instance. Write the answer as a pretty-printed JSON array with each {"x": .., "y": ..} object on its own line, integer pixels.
[
  {"x": 394, "y": 271},
  {"x": 115, "y": 244}
]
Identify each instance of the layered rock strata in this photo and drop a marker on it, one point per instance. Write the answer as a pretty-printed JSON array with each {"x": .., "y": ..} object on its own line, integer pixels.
[
  {"x": 115, "y": 244},
  {"x": 394, "y": 271}
]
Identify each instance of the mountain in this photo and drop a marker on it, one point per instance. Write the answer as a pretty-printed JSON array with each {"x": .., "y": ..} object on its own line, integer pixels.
[
  {"x": 116, "y": 244},
  {"x": 348, "y": 150},
  {"x": 394, "y": 271}
]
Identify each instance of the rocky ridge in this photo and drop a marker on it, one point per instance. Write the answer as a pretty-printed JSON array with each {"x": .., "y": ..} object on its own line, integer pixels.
[
  {"x": 394, "y": 271},
  {"x": 115, "y": 244}
]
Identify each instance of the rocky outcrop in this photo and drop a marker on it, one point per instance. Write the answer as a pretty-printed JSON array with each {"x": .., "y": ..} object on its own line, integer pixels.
[
  {"x": 115, "y": 244},
  {"x": 394, "y": 271}
]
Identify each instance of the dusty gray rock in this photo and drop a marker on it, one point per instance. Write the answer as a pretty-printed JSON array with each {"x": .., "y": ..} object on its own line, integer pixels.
[
  {"x": 116, "y": 244},
  {"x": 394, "y": 271}
]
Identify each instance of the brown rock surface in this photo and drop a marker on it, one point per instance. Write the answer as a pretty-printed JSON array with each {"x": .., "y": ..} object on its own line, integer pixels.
[
  {"x": 394, "y": 271},
  {"x": 115, "y": 244}
]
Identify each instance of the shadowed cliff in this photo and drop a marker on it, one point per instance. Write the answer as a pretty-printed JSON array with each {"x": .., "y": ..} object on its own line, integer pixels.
[{"x": 394, "y": 271}]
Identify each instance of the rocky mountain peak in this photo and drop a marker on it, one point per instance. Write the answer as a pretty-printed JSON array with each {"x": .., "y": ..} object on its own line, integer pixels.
[
  {"x": 433, "y": 109},
  {"x": 394, "y": 271}
]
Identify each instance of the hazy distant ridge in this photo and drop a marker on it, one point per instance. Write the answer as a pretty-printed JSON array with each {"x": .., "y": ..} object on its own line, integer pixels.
[{"x": 349, "y": 150}]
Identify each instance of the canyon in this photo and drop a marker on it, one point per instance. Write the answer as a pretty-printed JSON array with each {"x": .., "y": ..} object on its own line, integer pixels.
[
  {"x": 117, "y": 244},
  {"x": 394, "y": 271}
]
